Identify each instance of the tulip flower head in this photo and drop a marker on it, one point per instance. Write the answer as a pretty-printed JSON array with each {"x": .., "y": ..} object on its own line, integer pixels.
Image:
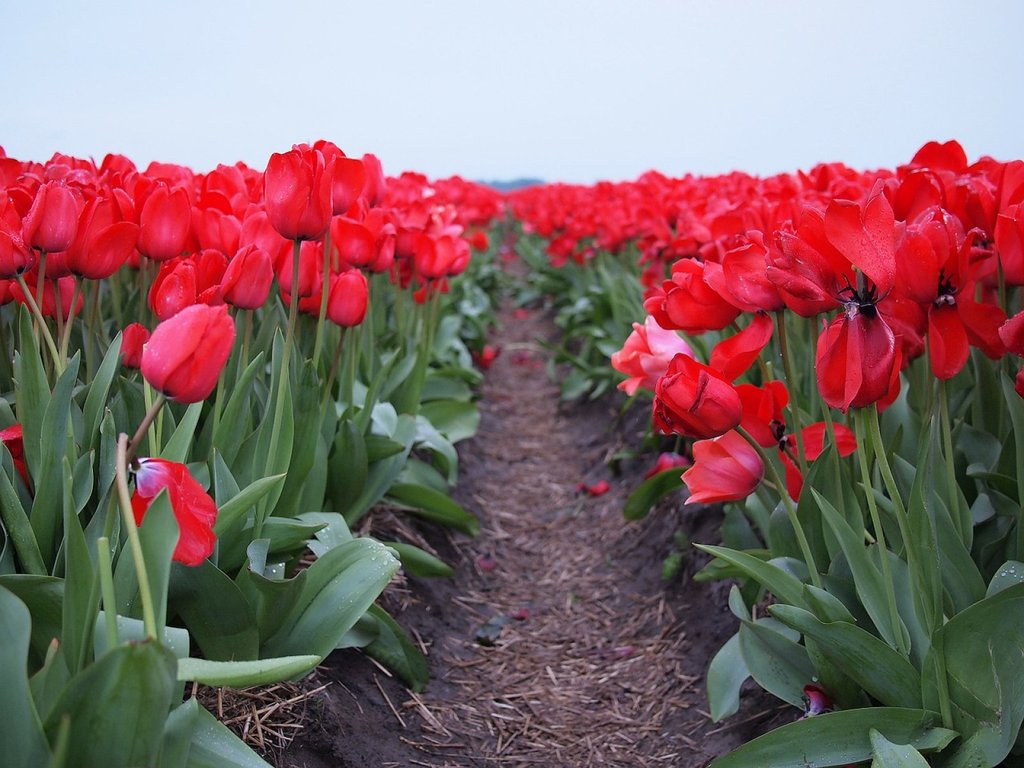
[
  {"x": 725, "y": 468},
  {"x": 186, "y": 353},
  {"x": 646, "y": 355},
  {"x": 193, "y": 508}
]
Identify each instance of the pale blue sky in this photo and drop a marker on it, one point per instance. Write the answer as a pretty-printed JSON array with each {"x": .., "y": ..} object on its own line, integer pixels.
[{"x": 565, "y": 90}]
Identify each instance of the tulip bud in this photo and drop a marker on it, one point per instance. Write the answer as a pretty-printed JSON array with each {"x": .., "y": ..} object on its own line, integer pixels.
[
  {"x": 695, "y": 400},
  {"x": 348, "y": 298},
  {"x": 185, "y": 355},
  {"x": 165, "y": 223},
  {"x": 52, "y": 221},
  {"x": 247, "y": 280},
  {"x": 134, "y": 336},
  {"x": 297, "y": 191}
]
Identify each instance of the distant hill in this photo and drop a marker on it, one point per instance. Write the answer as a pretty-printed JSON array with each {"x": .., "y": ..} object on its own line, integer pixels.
[{"x": 509, "y": 184}]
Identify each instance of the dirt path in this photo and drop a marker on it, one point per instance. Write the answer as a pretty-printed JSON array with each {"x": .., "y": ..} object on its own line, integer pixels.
[{"x": 593, "y": 661}]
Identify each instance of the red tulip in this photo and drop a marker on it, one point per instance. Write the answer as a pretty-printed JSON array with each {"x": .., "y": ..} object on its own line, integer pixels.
[
  {"x": 52, "y": 221},
  {"x": 133, "y": 338},
  {"x": 646, "y": 354},
  {"x": 857, "y": 359},
  {"x": 104, "y": 241},
  {"x": 666, "y": 461},
  {"x": 165, "y": 222},
  {"x": 485, "y": 357},
  {"x": 193, "y": 508},
  {"x": 376, "y": 185},
  {"x": 311, "y": 256},
  {"x": 813, "y": 437},
  {"x": 247, "y": 280},
  {"x": 725, "y": 468},
  {"x": 297, "y": 190},
  {"x": 174, "y": 288},
  {"x": 695, "y": 400},
  {"x": 354, "y": 242},
  {"x": 11, "y": 438},
  {"x": 687, "y": 303},
  {"x": 185, "y": 355},
  {"x": 348, "y": 298}
]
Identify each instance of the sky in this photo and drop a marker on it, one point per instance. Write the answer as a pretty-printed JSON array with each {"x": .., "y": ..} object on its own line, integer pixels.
[{"x": 563, "y": 90}]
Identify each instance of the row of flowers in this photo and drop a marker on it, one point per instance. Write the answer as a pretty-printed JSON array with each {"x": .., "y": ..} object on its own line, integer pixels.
[
  {"x": 842, "y": 332},
  {"x": 209, "y": 379}
]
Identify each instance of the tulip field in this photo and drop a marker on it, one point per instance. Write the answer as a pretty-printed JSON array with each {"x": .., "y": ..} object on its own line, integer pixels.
[{"x": 250, "y": 416}]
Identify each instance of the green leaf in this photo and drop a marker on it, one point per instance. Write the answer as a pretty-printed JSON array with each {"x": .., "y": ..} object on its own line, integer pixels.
[
  {"x": 884, "y": 673},
  {"x": 130, "y": 630},
  {"x": 178, "y": 447},
  {"x": 230, "y": 432},
  {"x": 215, "y": 611},
  {"x": 178, "y": 730},
  {"x": 1009, "y": 574},
  {"x": 778, "y": 663},
  {"x": 417, "y": 562},
  {"x": 439, "y": 387},
  {"x": 439, "y": 446},
  {"x": 81, "y": 586},
  {"x": 332, "y": 531},
  {"x": 158, "y": 535},
  {"x": 348, "y": 465},
  {"x": 49, "y": 485},
  {"x": 838, "y": 739},
  {"x": 885, "y": 754},
  {"x": 99, "y": 392},
  {"x": 32, "y": 392},
  {"x": 336, "y": 591},
  {"x": 307, "y": 426},
  {"x": 18, "y": 528},
  {"x": 117, "y": 707},
  {"x": 455, "y": 419},
  {"x": 235, "y": 508},
  {"x": 44, "y": 597},
  {"x": 650, "y": 492},
  {"x": 867, "y": 577},
  {"x": 726, "y": 674},
  {"x": 382, "y": 474},
  {"x": 243, "y": 674},
  {"x": 984, "y": 669},
  {"x": 437, "y": 507},
  {"x": 393, "y": 648},
  {"x": 215, "y": 746},
  {"x": 783, "y": 585},
  {"x": 21, "y": 731}
]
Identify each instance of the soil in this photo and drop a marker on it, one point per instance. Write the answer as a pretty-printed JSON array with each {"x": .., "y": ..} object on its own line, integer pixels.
[{"x": 603, "y": 664}]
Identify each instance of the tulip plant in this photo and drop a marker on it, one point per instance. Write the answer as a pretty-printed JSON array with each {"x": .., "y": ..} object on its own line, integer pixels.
[
  {"x": 207, "y": 380},
  {"x": 848, "y": 382}
]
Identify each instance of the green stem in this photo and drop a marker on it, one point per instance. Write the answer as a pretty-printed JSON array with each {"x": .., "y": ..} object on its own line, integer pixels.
[
  {"x": 134, "y": 543},
  {"x": 335, "y": 362},
  {"x": 65, "y": 338},
  {"x": 40, "y": 322},
  {"x": 964, "y": 521},
  {"x": 107, "y": 590},
  {"x": 152, "y": 409},
  {"x": 887, "y": 476},
  {"x": 283, "y": 376},
  {"x": 324, "y": 290},
  {"x": 798, "y": 529},
  {"x": 876, "y": 524},
  {"x": 794, "y": 411}
]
